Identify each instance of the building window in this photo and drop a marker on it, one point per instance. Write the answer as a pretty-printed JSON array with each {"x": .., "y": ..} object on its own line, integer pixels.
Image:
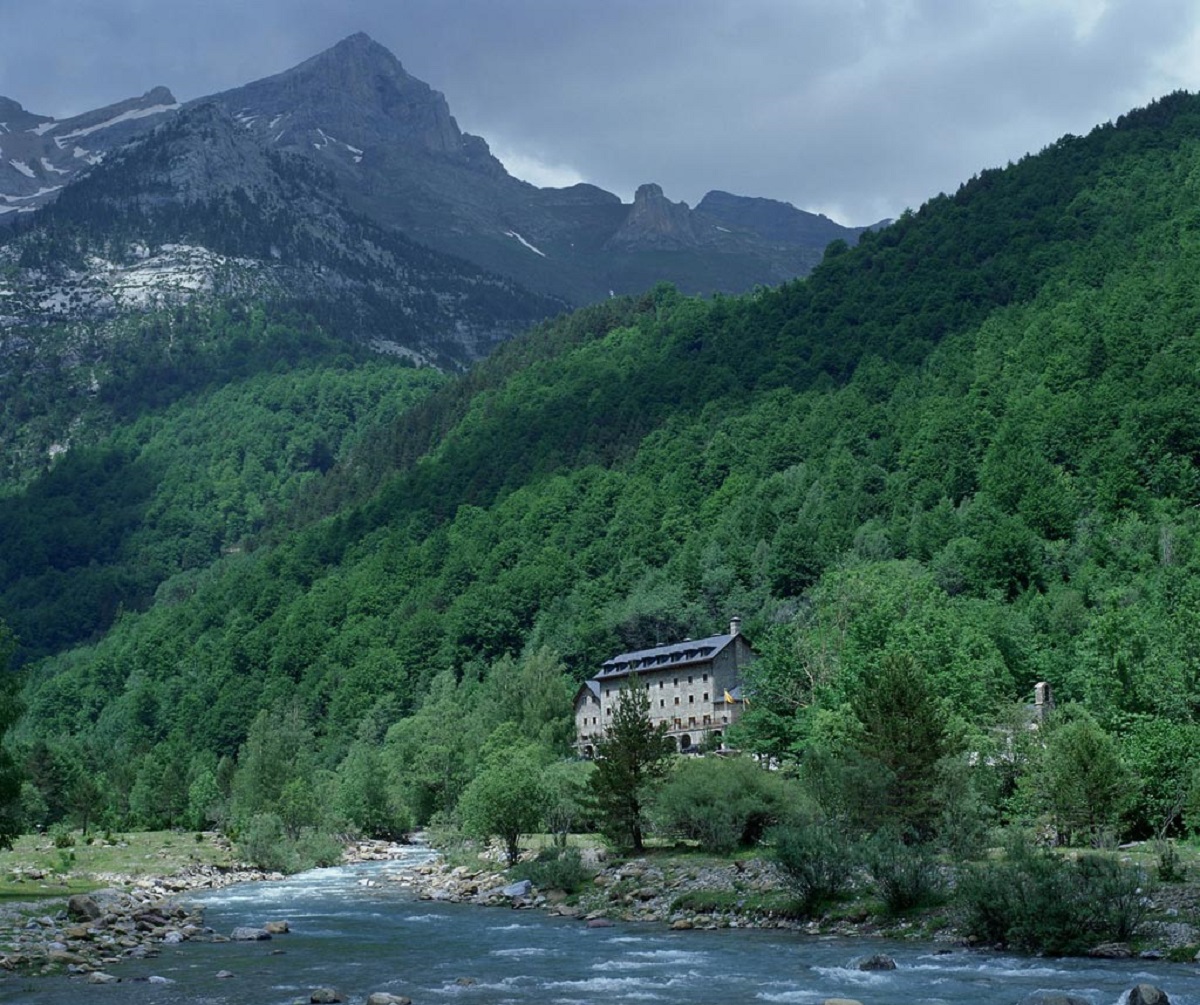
[
  {"x": 706, "y": 696},
  {"x": 707, "y": 719},
  {"x": 691, "y": 699},
  {"x": 689, "y": 678},
  {"x": 724, "y": 718},
  {"x": 660, "y": 685},
  {"x": 661, "y": 703},
  {"x": 676, "y": 699},
  {"x": 677, "y": 682},
  {"x": 705, "y": 678}
]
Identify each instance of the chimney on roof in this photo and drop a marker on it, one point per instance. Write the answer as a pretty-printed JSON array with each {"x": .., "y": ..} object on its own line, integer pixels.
[{"x": 735, "y": 626}]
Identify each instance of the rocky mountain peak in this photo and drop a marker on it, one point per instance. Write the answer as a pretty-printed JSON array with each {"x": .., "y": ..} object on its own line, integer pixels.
[
  {"x": 356, "y": 93},
  {"x": 655, "y": 223},
  {"x": 14, "y": 118}
]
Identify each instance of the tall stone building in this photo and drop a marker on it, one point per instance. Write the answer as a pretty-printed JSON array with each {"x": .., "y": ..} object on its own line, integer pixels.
[{"x": 695, "y": 687}]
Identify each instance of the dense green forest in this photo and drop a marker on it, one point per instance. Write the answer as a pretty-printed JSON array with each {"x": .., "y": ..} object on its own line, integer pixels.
[{"x": 959, "y": 459}]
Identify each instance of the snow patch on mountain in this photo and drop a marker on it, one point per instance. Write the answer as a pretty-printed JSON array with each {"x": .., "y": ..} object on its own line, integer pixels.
[
  {"x": 133, "y": 113},
  {"x": 146, "y": 278},
  {"x": 536, "y": 251}
]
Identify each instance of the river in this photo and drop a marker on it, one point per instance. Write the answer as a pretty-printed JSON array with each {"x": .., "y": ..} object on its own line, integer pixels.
[{"x": 361, "y": 938}]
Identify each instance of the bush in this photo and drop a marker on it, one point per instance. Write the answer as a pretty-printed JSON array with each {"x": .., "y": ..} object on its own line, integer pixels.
[
  {"x": 818, "y": 860},
  {"x": 62, "y": 836},
  {"x": 558, "y": 870},
  {"x": 265, "y": 843},
  {"x": 722, "y": 803},
  {"x": 1036, "y": 901},
  {"x": 262, "y": 843},
  {"x": 1170, "y": 867},
  {"x": 906, "y": 876}
]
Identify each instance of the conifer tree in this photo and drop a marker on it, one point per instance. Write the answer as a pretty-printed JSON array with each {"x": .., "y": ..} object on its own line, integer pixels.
[
  {"x": 10, "y": 776},
  {"x": 633, "y": 753}
]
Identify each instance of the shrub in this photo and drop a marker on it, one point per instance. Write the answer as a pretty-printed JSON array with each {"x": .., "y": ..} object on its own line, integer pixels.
[
  {"x": 1036, "y": 901},
  {"x": 62, "y": 837},
  {"x": 906, "y": 876},
  {"x": 1170, "y": 867},
  {"x": 555, "y": 869},
  {"x": 264, "y": 841},
  {"x": 818, "y": 860},
  {"x": 722, "y": 803}
]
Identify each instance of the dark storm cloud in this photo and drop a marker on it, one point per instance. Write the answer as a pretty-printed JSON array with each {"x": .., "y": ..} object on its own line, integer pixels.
[{"x": 857, "y": 107}]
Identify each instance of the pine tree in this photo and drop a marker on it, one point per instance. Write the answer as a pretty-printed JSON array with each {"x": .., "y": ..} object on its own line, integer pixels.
[
  {"x": 10, "y": 776},
  {"x": 633, "y": 753}
]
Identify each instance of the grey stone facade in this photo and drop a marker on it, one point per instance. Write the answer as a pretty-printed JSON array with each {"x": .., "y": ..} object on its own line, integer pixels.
[{"x": 695, "y": 687}]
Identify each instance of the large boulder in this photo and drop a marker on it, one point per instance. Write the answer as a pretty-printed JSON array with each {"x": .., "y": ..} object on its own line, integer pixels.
[
  {"x": 246, "y": 934},
  {"x": 878, "y": 961},
  {"x": 277, "y": 928},
  {"x": 1111, "y": 951},
  {"x": 1148, "y": 994},
  {"x": 521, "y": 888},
  {"x": 384, "y": 998},
  {"x": 324, "y": 996},
  {"x": 81, "y": 907}
]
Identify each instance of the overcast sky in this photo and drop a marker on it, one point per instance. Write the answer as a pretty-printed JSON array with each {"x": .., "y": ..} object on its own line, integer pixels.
[{"x": 856, "y": 108}]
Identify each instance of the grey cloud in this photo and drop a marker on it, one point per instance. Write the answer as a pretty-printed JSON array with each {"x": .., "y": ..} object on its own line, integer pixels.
[{"x": 861, "y": 107}]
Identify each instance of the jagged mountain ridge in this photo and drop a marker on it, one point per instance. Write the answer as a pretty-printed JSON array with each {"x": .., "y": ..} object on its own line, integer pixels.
[
  {"x": 397, "y": 156},
  {"x": 401, "y": 158},
  {"x": 199, "y": 206},
  {"x": 39, "y": 155}
]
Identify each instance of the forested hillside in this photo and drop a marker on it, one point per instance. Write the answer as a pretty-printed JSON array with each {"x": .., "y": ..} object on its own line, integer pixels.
[{"x": 966, "y": 448}]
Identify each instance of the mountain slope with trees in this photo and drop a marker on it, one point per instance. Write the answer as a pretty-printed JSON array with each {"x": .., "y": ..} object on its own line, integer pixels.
[{"x": 958, "y": 459}]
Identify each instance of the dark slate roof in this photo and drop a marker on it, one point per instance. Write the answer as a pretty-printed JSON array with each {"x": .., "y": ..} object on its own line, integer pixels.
[
  {"x": 678, "y": 654},
  {"x": 588, "y": 685}
]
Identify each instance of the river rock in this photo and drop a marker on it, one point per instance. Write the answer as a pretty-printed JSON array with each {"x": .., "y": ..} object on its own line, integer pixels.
[
  {"x": 521, "y": 888},
  {"x": 99, "y": 977},
  {"x": 1110, "y": 951},
  {"x": 276, "y": 928},
  {"x": 879, "y": 961},
  {"x": 1147, "y": 994},
  {"x": 1055, "y": 998},
  {"x": 841, "y": 1001},
  {"x": 83, "y": 908},
  {"x": 223, "y": 975},
  {"x": 383, "y": 998},
  {"x": 247, "y": 934},
  {"x": 324, "y": 996}
]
